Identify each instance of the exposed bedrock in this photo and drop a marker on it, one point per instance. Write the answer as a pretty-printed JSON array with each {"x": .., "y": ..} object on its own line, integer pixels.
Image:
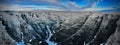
[{"x": 59, "y": 28}]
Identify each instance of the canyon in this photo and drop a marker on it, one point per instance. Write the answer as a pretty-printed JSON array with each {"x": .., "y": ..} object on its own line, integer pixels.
[{"x": 59, "y": 28}]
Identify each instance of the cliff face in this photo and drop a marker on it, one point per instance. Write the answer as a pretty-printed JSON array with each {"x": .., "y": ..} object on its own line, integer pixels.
[{"x": 59, "y": 28}]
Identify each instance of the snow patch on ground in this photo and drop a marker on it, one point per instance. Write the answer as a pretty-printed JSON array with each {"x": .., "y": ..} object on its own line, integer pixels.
[
  {"x": 48, "y": 39},
  {"x": 19, "y": 43}
]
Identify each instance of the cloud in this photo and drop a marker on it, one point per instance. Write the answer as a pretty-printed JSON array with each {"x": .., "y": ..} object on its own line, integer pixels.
[
  {"x": 111, "y": 10},
  {"x": 57, "y": 3},
  {"x": 13, "y": 8},
  {"x": 74, "y": 5},
  {"x": 96, "y": 9},
  {"x": 26, "y": 8},
  {"x": 91, "y": 3},
  {"x": 68, "y": 5}
]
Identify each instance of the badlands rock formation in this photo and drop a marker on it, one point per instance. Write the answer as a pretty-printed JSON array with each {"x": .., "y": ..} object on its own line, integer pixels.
[{"x": 59, "y": 28}]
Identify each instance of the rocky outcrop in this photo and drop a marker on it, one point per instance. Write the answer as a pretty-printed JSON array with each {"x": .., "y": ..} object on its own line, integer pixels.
[
  {"x": 4, "y": 37},
  {"x": 59, "y": 28},
  {"x": 114, "y": 38}
]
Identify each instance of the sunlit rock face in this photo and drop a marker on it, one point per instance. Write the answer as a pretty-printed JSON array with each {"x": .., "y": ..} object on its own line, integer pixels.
[{"x": 59, "y": 28}]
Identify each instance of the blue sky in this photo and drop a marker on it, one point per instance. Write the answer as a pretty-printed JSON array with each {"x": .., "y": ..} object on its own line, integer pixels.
[{"x": 60, "y": 5}]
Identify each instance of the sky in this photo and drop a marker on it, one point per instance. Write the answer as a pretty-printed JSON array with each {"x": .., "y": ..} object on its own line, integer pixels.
[{"x": 60, "y": 5}]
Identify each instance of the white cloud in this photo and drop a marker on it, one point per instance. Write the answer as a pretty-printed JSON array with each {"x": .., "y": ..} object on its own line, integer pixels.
[
  {"x": 25, "y": 8},
  {"x": 95, "y": 2},
  {"x": 14, "y": 7},
  {"x": 70, "y": 5},
  {"x": 74, "y": 5},
  {"x": 97, "y": 9}
]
